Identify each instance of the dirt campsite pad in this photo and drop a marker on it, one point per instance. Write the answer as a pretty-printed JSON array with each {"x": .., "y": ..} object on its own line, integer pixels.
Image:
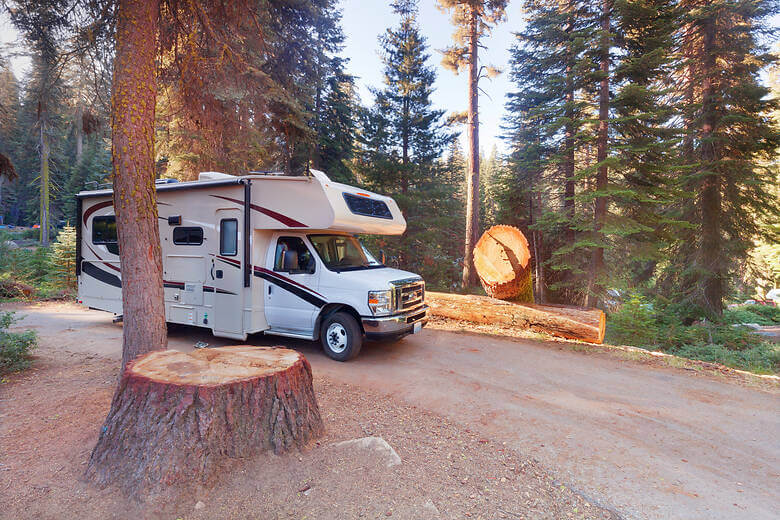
[
  {"x": 51, "y": 414},
  {"x": 580, "y": 424}
]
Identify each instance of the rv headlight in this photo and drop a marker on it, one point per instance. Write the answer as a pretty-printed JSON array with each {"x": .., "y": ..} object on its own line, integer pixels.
[{"x": 380, "y": 302}]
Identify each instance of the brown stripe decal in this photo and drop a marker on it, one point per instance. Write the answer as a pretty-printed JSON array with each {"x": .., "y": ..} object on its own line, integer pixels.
[
  {"x": 287, "y": 221},
  {"x": 99, "y": 205}
]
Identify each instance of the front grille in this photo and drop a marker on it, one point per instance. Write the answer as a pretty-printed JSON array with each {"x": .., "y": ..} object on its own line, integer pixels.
[
  {"x": 416, "y": 317},
  {"x": 409, "y": 294}
]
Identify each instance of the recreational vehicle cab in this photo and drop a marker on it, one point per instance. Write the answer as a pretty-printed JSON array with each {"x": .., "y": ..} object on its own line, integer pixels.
[{"x": 263, "y": 253}]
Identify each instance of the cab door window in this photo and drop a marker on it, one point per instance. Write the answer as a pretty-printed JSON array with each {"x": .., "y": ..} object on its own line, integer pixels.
[{"x": 292, "y": 256}]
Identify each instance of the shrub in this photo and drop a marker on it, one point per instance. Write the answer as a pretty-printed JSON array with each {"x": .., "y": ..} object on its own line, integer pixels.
[
  {"x": 670, "y": 328},
  {"x": 634, "y": 323},
  {"x": 15, "y": 347},
  {"x": 63, "y": 259},
  {"x": 762, "y": 314}
]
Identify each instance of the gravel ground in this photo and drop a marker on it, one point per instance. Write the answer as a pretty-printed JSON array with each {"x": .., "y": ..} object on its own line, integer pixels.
[{"x": 50, "y": 416}]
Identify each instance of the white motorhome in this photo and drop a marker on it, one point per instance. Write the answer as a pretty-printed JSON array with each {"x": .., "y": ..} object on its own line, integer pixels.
[{"x": 263, "y": 253}]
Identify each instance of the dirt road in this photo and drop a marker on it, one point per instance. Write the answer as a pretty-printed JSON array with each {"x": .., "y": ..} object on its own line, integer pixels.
[{"x": 644, "y": 441}]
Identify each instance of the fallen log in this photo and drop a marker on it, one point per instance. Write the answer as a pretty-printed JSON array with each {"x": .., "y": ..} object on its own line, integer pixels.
[
  {"x": 557, "y": 320},
  {"x": 179, "y": 417},
  {"x": 502, "y": 260}
]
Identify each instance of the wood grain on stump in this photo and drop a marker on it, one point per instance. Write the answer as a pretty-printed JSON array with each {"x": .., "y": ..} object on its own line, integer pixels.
[
  {"x": 556, "y": 320},
  {"x": 178, "y": 417},
  {"x": 503, "y": 263}
]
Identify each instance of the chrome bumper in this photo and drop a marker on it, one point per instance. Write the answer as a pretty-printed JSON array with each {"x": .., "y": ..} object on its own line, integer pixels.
[{"x": 395, "y": 325}]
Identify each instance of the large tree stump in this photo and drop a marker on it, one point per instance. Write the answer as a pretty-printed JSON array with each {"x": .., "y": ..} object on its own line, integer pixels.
[
  {"x": 503, "y": 263},
  {"x": 178, "y": 417},
  {"x": 557, "y": 320}
]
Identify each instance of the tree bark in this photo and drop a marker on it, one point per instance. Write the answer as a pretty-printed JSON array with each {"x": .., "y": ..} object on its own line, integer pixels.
[
  {"x": 179, "y": 418},
  {"x": 557, "y": 320},
  {"x": 132, "y": 152},
  {"x": 710, "y": 195},
  {"x": 79, "y": 130},
  {"x": 45, "y": 180},
  {"x": 595, "y": 289},
  {"x": 502, "y": 260},
  {"x": 472, "y": 184},
  {"x": 568, "y": 153},
  {"x": 540, "y": 292}
]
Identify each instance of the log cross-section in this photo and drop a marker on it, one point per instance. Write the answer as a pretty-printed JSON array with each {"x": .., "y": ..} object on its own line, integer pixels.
[
  {"x": 503, "y": 263},
  {"x": 179, "y": 417},
  {"x": 556, "y": 320}
]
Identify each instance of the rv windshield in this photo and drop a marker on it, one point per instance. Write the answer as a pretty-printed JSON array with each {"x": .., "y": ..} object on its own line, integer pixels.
[{"x": 343, "y": 253}]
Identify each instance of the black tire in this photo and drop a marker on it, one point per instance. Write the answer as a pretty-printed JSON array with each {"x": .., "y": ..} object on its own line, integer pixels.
[{"x": 346, "y": 338}]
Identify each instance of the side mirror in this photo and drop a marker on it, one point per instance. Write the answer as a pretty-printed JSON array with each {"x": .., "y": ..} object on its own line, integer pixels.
[{"x": 382, "y": 257}]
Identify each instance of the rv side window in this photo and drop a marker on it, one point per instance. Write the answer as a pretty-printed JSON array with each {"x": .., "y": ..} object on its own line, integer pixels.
[
  {"x": 228, "y": 237},
  {"x": 104, "y": 233},
  {"x": 367, "y": 207},
  {"x": 187, "y": 236},
  {"x": 292, "y": 256}
]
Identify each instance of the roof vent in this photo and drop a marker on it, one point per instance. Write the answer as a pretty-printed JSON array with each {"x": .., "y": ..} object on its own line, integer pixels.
[
  {"x": 166, "y": 181},
  {"x": 213, "y": 176}
]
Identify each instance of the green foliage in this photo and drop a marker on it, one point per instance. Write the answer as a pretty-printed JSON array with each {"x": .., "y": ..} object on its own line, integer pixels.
[
  {"x": 633, "y": 323},
  {"x": 63, "y": 259},
  {"x": 660, "y": 326},
  {"x": 765, "y": 315},
  {"x": 15, "y": 347},
  {"x": 402, "y": 139},
  {"x": 26, "y": 269}
]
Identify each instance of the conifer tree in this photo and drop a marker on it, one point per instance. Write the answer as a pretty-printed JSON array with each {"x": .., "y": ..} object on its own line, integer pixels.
[
  {"x": 730, "y": 139},
  {"x": 42, "y": 23},
  {"x": 473, "y": 19},
  {"x": 545, "y": 125},
  {"x": 401, "y": 141},
  {"x": 403, "y": 118}
]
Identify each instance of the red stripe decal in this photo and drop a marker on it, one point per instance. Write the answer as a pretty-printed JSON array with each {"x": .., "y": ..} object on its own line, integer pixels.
[
  {"x": 287, "y": 221},
  {"x": 99, "y": 205},
  {"x": 230, "y": 261},
  {"x": 110, "y": 266},
  {"x": 273, "y": 273}
]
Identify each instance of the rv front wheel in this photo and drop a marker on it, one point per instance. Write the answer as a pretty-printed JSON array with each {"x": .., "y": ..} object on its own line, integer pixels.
[{"x": 341, "y": 336}]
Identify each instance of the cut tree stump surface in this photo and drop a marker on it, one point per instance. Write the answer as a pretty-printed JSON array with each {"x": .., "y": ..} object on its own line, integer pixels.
[
  {"x": 213, "y": 367},
  {"x": 178, "y": 417},
  {"x": 557, "y": 320}
]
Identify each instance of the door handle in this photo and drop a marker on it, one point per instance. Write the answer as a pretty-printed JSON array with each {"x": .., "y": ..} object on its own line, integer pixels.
[{"x": 269, "y": 288}]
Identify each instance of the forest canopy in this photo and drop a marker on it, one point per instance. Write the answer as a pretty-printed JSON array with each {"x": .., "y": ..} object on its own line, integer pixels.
[{"x": 640, "y": 136}]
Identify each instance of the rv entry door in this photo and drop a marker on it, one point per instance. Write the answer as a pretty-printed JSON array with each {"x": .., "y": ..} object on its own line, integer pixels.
[{"x": 225, "y": 275}]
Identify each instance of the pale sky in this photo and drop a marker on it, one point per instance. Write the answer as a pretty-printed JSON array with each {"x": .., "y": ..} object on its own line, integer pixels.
[{"x": 365, "y": 20}]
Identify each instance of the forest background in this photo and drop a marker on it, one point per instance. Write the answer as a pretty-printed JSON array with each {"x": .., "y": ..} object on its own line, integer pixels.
[{"x": 639, "y": 139}]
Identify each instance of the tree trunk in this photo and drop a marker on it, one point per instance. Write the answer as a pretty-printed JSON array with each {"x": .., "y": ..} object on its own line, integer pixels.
[
  {"x": 595, "y": 289},
  {"x": 710, "y": 196},
  {"x": 45, "y": 180},
  {"x": 557, "y": 320},
  {"x": 568, "y": 153},
  {"x": 132, "y": 152},
  {"x": 79, "y": 129},
  {"x": 502, "y": 260},
  {"x": 405, "y": 146},
  {"x": 540, "y": 291},
  {"x": 472, "y": 184},
  {"x": 179, "y": 417}
]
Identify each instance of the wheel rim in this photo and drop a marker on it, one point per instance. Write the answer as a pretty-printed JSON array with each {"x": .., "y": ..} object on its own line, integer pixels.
[{"x": 337, "y": 338}]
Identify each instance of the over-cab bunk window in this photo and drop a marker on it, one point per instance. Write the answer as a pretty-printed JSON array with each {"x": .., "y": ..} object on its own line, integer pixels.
[
  {"x": 104, "y": 233},
  {"x": 188, "y": 236},
  {"x": 367, "y": 207}
]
